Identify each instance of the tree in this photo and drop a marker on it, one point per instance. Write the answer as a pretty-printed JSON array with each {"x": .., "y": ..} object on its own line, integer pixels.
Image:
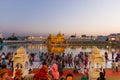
[{"x": 12, "y": 38}]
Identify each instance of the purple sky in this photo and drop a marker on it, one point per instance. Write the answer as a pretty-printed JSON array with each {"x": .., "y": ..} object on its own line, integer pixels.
[{"x": 91, "y": 17}]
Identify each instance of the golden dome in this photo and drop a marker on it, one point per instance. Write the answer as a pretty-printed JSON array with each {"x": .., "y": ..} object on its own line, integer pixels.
[
  {"x": 59, "y": 34},
  {"x": 21, "y": 50}
]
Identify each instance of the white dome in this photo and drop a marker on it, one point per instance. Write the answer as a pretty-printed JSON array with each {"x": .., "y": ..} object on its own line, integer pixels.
[{"x": 21, "y": 50}]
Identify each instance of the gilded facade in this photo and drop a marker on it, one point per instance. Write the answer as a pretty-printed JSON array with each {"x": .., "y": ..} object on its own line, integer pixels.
[
  {"x": 54, "y": 43},
  {"x": 59, "y": 38}
]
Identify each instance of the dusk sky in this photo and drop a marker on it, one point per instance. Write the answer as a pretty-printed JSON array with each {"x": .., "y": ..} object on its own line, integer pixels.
[{"x": 91, "y": 17}]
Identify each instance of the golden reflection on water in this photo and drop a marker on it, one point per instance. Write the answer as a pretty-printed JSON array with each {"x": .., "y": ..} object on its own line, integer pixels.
[
  {"x": 61, "y": 49},
  {"x": 55, "y": 49},
  {"x": 36, "y": 46}
]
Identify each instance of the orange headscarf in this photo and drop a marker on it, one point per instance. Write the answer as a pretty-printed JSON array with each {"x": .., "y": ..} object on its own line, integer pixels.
[
  {"x": 42, "y": 73},
  {"x": 18, "y": 74},
  {"x": 2, "y": 71}
]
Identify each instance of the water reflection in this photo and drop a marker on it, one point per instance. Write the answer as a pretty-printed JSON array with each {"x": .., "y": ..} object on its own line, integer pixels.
[
  {"x": 56, "y": 49},
  {"x": 36, "y": 46}
]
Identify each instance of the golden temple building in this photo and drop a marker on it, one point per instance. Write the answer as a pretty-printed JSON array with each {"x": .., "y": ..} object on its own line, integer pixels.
[
  {"x": 59, "y": 38},
  {"x": 55, "y": 43}
]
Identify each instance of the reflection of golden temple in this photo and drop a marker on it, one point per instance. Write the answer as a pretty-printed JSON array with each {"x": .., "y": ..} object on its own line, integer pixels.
[
  {"x": 55, "y": 49},
  {"x": 36, "y": 46},
  {"x": 55, "y": 39},
  {"x": 21, "y": 61},
  {"x": 96, "y": 59}
]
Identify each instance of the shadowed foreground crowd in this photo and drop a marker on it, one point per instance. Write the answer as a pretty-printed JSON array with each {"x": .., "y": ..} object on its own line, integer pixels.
[
  {"x": 42, "y": 74},
  {"x": 52, "y": 66}
]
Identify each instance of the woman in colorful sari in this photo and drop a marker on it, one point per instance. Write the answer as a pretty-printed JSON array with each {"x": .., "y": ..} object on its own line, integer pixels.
[
  {"x": 55, "y": 72},
  {"x": 42, "y": 73}
]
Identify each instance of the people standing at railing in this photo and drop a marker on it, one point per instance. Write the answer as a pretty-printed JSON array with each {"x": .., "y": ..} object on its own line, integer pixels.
[
  {"x": 116, "y": 63},
  {"x": 30, "y": 60},
  {"x": 113, "y": 66},
  {"x": 102, "y": 76},
  {"x": 106, "y": 56},
  {"x": 86, "y": 61},
  {"x": 60, "y": 67},
  {"x": 32, "y": 56},
  {"x": 3, "y": 58},
  {"x": 113, "y": 53},
  {"x": 41, "y": 57}
]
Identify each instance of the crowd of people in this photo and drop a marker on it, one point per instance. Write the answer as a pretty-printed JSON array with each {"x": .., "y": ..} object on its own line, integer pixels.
[
  {"x": 66, "y": 60},
  {"x": 54, "y": 64},
  {"x": 79, "y": 62},
  {"x": 115, "y": 62}
]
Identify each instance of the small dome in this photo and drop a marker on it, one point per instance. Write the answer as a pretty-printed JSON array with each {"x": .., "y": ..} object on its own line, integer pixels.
[
  {"x": 95, "y": 50},
  {"x": 59, "y": 34},
  {"x": 21, "y": 50}
]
